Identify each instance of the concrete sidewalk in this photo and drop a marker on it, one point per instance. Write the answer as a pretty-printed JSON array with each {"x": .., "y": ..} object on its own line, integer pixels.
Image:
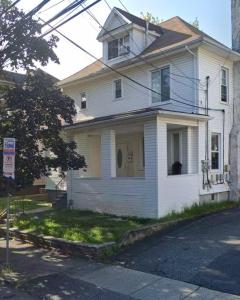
[{"x": 47, "y": 275}]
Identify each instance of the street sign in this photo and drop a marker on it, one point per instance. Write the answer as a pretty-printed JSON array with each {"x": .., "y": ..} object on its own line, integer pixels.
[{"x": 9, "y": 149}]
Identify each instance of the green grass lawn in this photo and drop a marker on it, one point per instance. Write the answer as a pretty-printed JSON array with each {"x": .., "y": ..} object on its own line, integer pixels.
[
  {"x": 93, "y": 227},
  {"x": 21, "y": 204}
]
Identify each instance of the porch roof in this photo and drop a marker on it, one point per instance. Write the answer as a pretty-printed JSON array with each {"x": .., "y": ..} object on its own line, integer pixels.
[{"x": 141, "y": 113}]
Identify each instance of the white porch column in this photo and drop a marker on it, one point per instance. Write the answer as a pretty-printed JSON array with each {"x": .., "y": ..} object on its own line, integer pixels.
[
  {"x": 155, "y": 141},
  {"x": 192, "y": 150},
  {"x": 108, "y": 154}
]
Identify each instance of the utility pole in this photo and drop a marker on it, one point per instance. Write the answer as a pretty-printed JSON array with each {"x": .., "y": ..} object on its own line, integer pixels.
[{"x": 235, "y": 131}]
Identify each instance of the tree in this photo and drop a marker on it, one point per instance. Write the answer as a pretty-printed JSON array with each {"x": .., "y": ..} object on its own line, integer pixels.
[
  {"x": 155, "y": 20},
  {"x": 20, "y": 43},
  {"x": 195, "y": 23},
  {"x": 33, "y": 113},
  {"x": 150, "y": 18}
]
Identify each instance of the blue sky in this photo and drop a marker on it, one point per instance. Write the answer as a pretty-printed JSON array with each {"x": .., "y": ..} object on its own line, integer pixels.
[{"x": 214, "y": 17}]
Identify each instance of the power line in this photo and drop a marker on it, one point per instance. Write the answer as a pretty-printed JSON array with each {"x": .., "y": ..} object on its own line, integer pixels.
[
  {"x": 108, "y": 4},
  {"x": 68, "y": 14},
  {"x": 123, "y": 5},
  {"x": 156, "y": 67},
  {"x": 151, "y": 64},
  {"x": 29, "y": 14},
  {"x": 36, "y": 8},
  {"x": 64, "y": 11},
  {"x": 50, "y": 7},
  {"x": 178, "y": 75},
  {"x": 115, "y": 70},
  {"x": 69, "y": 19}
]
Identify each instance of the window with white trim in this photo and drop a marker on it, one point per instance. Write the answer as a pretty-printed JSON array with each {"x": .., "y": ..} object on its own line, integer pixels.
[
  {"x": 117, "y": 88},
  {"x": 118, "y": 47},
  {"x": 83, "y": 100},
  {"x": 224, "y": 84},
  {"x": 161, "y": 85},
  {"x": 215, "y": 151}
]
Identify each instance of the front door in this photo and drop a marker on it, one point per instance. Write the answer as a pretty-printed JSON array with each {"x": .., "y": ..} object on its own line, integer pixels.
[{"x": 124, "y": 159}]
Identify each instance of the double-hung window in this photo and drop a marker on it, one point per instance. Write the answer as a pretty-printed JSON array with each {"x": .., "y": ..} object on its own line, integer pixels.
[
  {"x": 118, "y": 47},
  {"x": 224, "y": 84},
  {"x": 215, "y": 151},
  {"x": 161, "y": 85},
  {"x": 117, "y": 88},
  {"x": 83, "y": 100}
]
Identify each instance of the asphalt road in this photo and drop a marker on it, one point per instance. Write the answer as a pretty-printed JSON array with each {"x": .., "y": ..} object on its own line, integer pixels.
[{"x": 205, "y": 252}]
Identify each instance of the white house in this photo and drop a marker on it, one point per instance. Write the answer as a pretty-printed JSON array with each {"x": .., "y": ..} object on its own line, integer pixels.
[{"x": 153, "y": 119}]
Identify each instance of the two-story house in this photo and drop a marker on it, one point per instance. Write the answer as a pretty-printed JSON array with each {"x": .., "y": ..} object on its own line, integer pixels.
[{"x": 153, "y": 119}]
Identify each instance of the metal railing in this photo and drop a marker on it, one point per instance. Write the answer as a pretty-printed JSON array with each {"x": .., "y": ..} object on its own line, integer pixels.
[{"x": 60, "y": 187}]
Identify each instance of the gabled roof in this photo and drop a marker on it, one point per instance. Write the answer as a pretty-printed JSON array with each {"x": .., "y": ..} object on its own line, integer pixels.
[
  {"x": 175, "y": 33},
  {"x": 139, "y": 21}
]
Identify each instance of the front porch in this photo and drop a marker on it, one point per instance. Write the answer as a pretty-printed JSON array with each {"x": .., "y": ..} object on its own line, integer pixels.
[{"x": 144, "y": 167}]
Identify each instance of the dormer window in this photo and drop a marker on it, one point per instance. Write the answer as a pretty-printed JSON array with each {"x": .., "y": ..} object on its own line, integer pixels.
[{"x": 118, "y": 47}]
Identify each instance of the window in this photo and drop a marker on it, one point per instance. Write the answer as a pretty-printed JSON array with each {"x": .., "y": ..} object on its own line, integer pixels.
[
  {"x": 161, "y": 84},
  {"x": 113, "y": 49},
  {"x": 118, "y": 88},
  {"x": 176, "y": 147},
  {"x": 118, "y": 47},
  {"x": 215, "y": 151},
  {"x": 83, "y": 100},
  {"x": 224, "y": 84}
]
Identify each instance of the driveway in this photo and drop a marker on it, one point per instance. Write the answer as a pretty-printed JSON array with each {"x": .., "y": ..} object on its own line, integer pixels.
[{"x": 205, "y": 252}]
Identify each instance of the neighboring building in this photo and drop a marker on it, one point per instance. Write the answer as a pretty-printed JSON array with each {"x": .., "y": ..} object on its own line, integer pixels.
[
  {"x": 8, "y": 78},
  {"x": 152, "y": 153}
]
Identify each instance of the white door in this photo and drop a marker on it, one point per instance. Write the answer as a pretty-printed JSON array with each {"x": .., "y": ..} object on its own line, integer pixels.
[{"x": 121, "y": 159}]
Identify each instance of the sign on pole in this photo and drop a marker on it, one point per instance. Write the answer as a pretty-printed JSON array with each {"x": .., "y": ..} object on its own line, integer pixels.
[
  {"x": 9, "y": 145},
  {"x": 9, "y": 149}
]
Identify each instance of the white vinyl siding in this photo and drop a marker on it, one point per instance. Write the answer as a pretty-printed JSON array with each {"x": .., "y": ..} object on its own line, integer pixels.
[{"x": 100, "y": 91}]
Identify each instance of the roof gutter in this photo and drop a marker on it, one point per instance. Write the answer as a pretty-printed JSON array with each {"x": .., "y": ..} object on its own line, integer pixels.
[{"x": 222, "y": 47}]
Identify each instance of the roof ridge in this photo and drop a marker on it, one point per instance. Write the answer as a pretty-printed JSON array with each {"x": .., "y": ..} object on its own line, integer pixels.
[{"x": 128, "y": 15}]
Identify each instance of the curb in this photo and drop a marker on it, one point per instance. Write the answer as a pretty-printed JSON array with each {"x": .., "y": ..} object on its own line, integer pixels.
[
  {"x": 106, "y": 249},
  {"x": 68, "y": 247}
]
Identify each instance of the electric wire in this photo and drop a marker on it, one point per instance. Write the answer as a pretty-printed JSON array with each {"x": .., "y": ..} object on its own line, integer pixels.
[
  {"x": 64, "y": 11},
  {"x": 70, "y": 18},
  {"x": 115, "y": 70},
  {"x": 50, "y": 7},
  {"x": 156, "y": 67}
]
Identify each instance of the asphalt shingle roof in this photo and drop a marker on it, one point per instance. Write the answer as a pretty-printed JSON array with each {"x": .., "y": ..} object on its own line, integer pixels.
[{"x": 173, "y": 33}]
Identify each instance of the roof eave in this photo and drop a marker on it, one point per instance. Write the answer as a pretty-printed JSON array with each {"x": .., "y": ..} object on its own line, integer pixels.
[
  {"x": 231, "y": 53},
  {"x": 168, "y": 52},
  {"x": 132, "y": 115}
]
